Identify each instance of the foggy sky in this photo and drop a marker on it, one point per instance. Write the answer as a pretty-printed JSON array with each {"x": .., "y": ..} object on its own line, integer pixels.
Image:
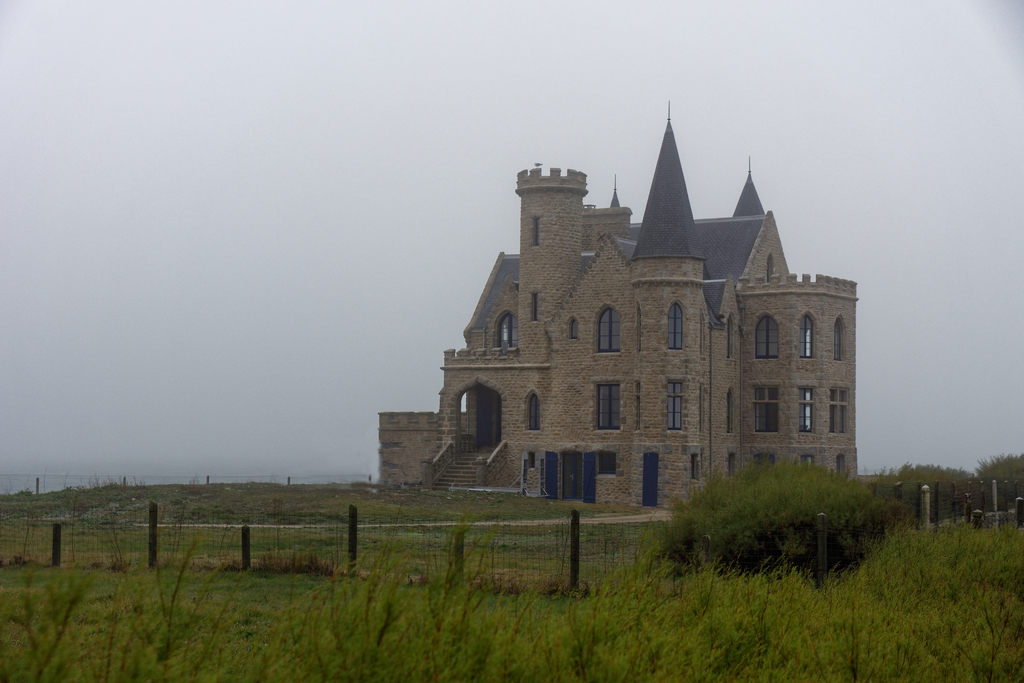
[{"x": 231, "y": 233}]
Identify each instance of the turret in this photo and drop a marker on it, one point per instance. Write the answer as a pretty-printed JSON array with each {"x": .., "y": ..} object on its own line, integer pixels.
[{"x": 550, "y": 240}]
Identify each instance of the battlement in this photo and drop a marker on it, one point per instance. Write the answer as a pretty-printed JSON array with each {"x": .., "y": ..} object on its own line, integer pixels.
[
  {"x": 787, "y": 283},
  {"x": 397, "y": 420},
  {"x": 481, "y": 356},
  {"x": 533, "y": 180}
]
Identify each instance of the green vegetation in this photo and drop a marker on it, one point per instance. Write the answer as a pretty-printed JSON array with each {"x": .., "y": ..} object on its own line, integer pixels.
[
  {"x": 908, "y": 472},
  {"x": 768, "y": 515},
  {"x": 923, "y": 606},
  {"x": 1001, "y": 467}
]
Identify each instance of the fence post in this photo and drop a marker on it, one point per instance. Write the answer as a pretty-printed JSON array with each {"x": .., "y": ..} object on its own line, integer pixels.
[
  {"x": 926, "y": 512},
  {"x": 37, "y": 486},
  {"x": 289, "y": 481},
  {"x": 152, "y": 534},
  {"x": 207, "y": 479},
  {"x": 427, "y": 464},
  {"x": 1020, "y": 513},
  {"x": 705, "y": 549},
  {"x": 977, "y": 518},
  {"x": 353, "y": 527},
  {"x": 574, "y": 549},
  {"x": 246, "y": 548},
  {"x": 56, "y": 545},
  {"x": 822, "y": 549}
]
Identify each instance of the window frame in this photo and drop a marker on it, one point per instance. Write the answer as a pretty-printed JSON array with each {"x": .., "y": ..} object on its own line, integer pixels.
[
  {"x": 806, "y": 337},
  {"x": 837, "y": 339},
  {"x": 766, "y": 410},
  {"x": 805, "y": 411},
  {"x": 533, "y": 413},
  {"x": 837, "y": 403},
  {"x": 675, "y": 327},
  {"x": 766, "y": 338},
  {"x": 603, "y": 462},
  {"x": 609, "y": 332},
  {"x": 513, "y": 336},
  {"x": 574, "y": 329},
  {"x": 609, "y": 415},
  {"x": 674, "y": 406}
]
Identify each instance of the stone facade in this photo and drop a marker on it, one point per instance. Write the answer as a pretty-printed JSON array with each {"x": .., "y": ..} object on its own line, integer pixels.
[{"x": 635, "y": 420}]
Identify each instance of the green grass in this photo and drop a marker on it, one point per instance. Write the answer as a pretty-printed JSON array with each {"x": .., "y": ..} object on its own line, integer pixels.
[{"x": 946, "y": 605}]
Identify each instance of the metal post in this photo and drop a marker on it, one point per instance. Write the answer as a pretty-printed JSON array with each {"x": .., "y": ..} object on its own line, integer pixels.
[
  {"x": 1020, "y": 513},
  {"x": 705, "y": 549},
  {"x": 56, "y": 545},
  {"x": 246, "y": 548},
  {"x": 995, "y": 503},
  {"x": 926, "y": 511},
  {"x": 822, "y": 549},
  {"x": 574, "y": 549},
  {"x": 152, "y": 534},
  {"x": 352, "y": 536}
]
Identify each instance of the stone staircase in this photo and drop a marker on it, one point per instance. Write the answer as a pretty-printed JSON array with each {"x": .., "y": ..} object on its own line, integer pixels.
[{"x": 462, "y": 471}]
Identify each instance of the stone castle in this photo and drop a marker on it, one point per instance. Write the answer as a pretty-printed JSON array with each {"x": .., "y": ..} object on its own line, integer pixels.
[{"x": 618, "y": 362}]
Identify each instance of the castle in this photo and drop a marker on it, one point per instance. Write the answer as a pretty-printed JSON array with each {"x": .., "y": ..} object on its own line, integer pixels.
[{"x": 627, "y": 363}]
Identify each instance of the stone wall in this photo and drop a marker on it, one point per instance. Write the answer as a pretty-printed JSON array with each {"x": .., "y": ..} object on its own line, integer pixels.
[{"x": 405, "y": 439}]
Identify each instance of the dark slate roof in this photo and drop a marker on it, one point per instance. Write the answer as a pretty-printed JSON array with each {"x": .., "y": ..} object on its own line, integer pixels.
[
  {"x": 749, "y": 203},
  {"x": 667, "y": 227},
  {"x": 727, "y": 243},
  {"x": 509, "y": 266},
  {"x": 713, "y": 293},
  {"x": 615, "y": 199},
  {"x": 628, "y": 246}
]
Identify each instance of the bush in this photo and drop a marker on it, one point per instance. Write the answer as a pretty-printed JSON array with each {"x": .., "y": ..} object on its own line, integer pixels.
[
  {"x": 1001, "y": 467},
  {"x": 910, "y": 472},
  {"x": 768, "y": 515}
]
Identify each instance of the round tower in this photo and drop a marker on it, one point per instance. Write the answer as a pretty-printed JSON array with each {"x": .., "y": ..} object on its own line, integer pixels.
[{"x": 550, "y": 240}]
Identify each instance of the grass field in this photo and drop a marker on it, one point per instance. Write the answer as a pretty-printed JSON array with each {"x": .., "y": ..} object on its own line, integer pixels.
[{"x": 945, "y": 605}]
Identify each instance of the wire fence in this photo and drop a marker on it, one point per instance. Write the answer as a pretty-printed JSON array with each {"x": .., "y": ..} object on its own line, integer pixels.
[
  {"x": 509, "y": 555},
  {"x": 951, "y": 501},
  {"x": 46, "y": 483}
]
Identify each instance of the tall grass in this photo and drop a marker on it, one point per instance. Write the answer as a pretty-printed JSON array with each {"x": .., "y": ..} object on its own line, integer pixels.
[{"x": 946, "y": 605}]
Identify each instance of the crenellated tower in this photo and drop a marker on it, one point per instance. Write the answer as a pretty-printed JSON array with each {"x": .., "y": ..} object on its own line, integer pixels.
[{"x": 550, "y": 241}]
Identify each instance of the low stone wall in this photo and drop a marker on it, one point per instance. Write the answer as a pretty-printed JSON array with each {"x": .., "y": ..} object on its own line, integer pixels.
[{"x": 405, "y": 439}]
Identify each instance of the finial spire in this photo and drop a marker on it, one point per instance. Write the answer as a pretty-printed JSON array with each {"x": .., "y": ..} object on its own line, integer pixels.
[
  {"x": 615, "y": 193},
  {"x": 670, "y": 110},
  {"x": 748, "y": 165},
  {"x": 615, "y": 183}
]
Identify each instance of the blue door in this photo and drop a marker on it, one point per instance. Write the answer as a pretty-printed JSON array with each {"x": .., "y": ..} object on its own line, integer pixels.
[
  {"x": 551, "y": 475},
  {"x": 590, "y": 477},
  {"x": 650, "y": 493}
]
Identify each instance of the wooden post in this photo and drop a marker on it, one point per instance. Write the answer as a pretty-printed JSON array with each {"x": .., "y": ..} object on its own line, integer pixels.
[
  {"x": 56, "y": 545},
  {"x": 37, "y": 486},
  {"x": 967, "y": 508},
  {"x": 152, "y": 534},
  {"x": 246, "y": 548},
  {"x": 822, "y": 549},
  {"x": 995, "y": 503},
  {"x": 926, "y": 506},
  {"x": 207, "y": 479},
  {"x": 574, "y": 549},
  {"x": 705, "y": 549},
  {"x": 124, "y": 482},
  {"x": 289, "y": 481},
  {"x": 1020, "y": 513},
  {"x": 353, "y": 528}
]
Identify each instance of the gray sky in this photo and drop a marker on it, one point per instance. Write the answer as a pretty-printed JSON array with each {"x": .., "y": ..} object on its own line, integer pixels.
[{"x": 231, "y": 233}]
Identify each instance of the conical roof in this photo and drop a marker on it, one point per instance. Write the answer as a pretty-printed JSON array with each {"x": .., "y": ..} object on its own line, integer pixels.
[
  {"x": 668, "y": 228},
  {"x": 749, "y": 203},
  {"x": 615, "y": 199}
]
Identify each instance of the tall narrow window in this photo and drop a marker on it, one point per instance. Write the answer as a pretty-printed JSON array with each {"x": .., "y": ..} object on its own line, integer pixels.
[
  {"x": 636, "y": 424},
  {"x": 766, "y": 410},
  {"x": 674, "y": 407},
  {"x": 574, "y": 329},
  {"x": 837, "y": 411},
  {"x": 837, "y": 340},
  {"x": 534, "y": 412},
  {"x": 806, "y": 409},
  {"x": 536, "y": 231},
  {"x": 508, "y": 331},
  {"x": 639, "y": 331},
  {"x": 728, "y": 338},
  {"x": 732, "y": 464},
  {"x": 675, "y": 327},
  {"x": 770, "y": 269},
  {"x": 806, "y": 337},
  {"x": 766, "y": 339},
  {"x": 700, "y": 409},
  {"x": 607, "y": 406},
  {"x": 841, "y": 464},
  {"x": 728, "y": 412},
  {"x": 536, "y": 305},
  {"x": 701, "y": 332},
  {"x": 608, "y": 332},
  {"x": 694, "y": 466}
]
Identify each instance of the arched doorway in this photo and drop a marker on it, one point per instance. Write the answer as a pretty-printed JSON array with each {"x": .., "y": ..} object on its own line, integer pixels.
[{"x": 488, "y": 416}]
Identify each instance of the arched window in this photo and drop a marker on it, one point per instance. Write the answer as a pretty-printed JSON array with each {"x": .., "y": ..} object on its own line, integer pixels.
[
  {"x": 837, "y": 340},
  {"x": 608, "y": 332},
  {"x": 766, "y": 339},
  {"x": 508, "y": 331},
  {"x": 770, "y": 269},
  {"x": 806, "y": 337},
  {"x": 534, "y": 412},
  {"x": 574, "y": 329},
  {"x": 675, "y": 327},
  {"x": 728, "y": 338}
]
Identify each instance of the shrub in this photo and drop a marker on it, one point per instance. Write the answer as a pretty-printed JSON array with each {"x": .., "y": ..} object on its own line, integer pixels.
[
  {"x": 768, "y": 515},
  {"x": 1001, "y": 467},
  {"x": 910, "y": 472}
]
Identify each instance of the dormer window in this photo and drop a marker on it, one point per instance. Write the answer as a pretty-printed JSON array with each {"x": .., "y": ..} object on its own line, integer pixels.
[{"x": 508, "y": 331}]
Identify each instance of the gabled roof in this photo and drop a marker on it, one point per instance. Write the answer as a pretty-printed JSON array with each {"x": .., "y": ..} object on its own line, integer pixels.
[
  {"x": 714, "y": 291},
  {"x": 667, "y": 228},
  {"x": 749, "y": 203},
  {"x": 509, "y": 267},
  {"x": 727, "y": 243}
]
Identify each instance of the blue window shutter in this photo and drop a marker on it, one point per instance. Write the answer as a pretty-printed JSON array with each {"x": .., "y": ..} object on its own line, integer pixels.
[
  {"x": 590, "y": 477},
  {"x": 551, "y": 474},
  {"x": 650, "y": 490}
]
